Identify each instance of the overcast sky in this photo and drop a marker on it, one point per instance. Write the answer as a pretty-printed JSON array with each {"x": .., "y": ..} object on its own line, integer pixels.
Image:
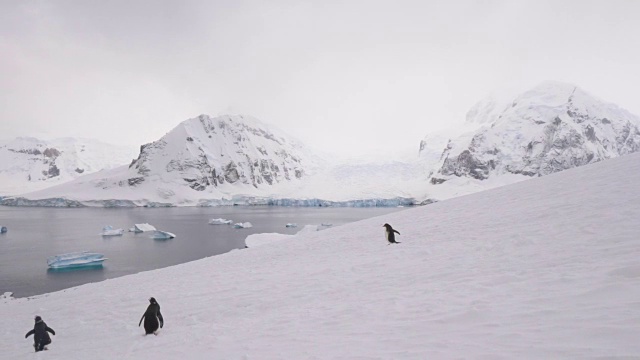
[{"x": 351, "y": 76}]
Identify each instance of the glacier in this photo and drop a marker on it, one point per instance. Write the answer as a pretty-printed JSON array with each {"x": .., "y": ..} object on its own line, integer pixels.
[{"x": 75, "y": 259}]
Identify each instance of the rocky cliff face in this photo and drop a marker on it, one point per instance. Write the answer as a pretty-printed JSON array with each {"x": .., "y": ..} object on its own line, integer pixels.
[
  {"x": 550, "y": 128},
  {"x": 207, "y": 152}
]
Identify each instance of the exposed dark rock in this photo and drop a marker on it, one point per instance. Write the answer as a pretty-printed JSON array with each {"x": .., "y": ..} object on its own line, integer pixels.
[
  {"x": 51, "y": 153},
  {"x": 135, "y": 181}
]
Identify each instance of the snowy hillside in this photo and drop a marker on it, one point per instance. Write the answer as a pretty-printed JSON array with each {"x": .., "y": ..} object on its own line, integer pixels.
[
  {"x": 542, "y": 269},
  {"x": 29, "y": 164},
  {"x": 202, "y": 159},
  {"x": 228, "y": 160},
  {"x": 236, "y": 160},
  {"x": 550, "y": 128}
]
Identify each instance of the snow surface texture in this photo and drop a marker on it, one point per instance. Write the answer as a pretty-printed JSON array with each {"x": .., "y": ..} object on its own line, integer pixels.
[
  {"x": 29, "y": 164},
  {"x": 541, "y": 269}
]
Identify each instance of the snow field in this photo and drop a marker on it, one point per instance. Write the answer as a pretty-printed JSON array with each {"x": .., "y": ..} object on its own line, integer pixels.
[{"x": 541, "y": 269}]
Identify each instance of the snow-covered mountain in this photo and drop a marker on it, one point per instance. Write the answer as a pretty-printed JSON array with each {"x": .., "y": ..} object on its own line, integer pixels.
[
  {"x": 29, "y": 164},
  {"x": 202, "y": 159},
  {"x": 543, "y": 269},
  {"x": 239, "y": 160},
  {"x": 209, "y": 152},
  {"x": 550, "y": 128}
]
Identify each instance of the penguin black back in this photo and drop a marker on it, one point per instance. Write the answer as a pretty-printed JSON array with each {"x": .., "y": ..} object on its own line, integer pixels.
[
  {"x": 389, "y": 233},
  {"x": 152, "y": 317}
]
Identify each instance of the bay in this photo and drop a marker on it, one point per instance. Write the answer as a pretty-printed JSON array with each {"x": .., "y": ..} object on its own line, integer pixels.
[{"x": 37, "y": 233}]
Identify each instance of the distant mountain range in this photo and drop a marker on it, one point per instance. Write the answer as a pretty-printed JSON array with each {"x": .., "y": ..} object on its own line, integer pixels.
[
  {"x": 239, "y": 160},
  {"x": 29, "y": 164}
]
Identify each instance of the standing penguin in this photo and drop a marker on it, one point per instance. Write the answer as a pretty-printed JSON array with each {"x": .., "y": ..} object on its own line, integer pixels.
[
  {"x": 40, "y": 336},
  {"x": 152, "y": 318},
  {"x": 391, "y": 238}
]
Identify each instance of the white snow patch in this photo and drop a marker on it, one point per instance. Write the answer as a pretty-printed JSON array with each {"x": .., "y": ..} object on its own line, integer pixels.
[{"x": 546, "y": 268}]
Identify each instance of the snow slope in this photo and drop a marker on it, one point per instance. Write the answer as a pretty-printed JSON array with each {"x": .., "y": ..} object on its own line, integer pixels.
[
  {"x": 235, "y": 160},
  {"x": 542, "y": 269},
  {"x": 29, "y": 164},
  {"x": 552, "y": 127}
]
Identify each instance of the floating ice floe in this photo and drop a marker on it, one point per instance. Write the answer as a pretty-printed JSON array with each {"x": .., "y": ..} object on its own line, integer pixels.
[
  {"x": 220, "y": 221},
  {"x": 3, "y": 229},
  {"x": 110, "y": 231},
  {"x": 76, "y": 259},
  {"x": 242, "y": 225},
  {"x": 162, "y": 235},
  {"x": 291, "y": 225},
  {"x": 138, "y": 228}
]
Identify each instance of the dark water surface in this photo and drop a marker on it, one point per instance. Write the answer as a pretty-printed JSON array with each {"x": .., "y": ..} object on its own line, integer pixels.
[{"x": 37, "y": 233}]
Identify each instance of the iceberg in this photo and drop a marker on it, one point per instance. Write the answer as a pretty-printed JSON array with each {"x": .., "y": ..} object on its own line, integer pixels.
[
  {"x": 245, "y": 225},
  {"x": 76, "y": 259},
  {"x": 291, "y": 225},
  {"x": 162, "y": 235},
  {"x": 138, "y": 228},
  {"x": 3, "y": 229},
  {"x": 110, "y": 231},
  {"x": 220, "y": 221}
]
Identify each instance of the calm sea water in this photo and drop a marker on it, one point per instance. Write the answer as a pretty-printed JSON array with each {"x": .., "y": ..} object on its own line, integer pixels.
[{"x": 37, "y": 233}]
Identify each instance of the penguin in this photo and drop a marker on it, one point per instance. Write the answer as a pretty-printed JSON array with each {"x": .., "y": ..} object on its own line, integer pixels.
[
  {"x": 40, "y": 337},
  {"x": 391, "y": 238},
  {"x": 152, "y": 318}
]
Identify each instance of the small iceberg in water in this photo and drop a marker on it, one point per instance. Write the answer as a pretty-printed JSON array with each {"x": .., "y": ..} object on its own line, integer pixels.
[
  {"x": 220, "y": 221},
  {"x": 138, "y": 228},
  {"x": 245, "y": 225},
  {"x": 291, "y": 225},
  {"x": 162, "y": 235},
  {"x": 110, "y": 231},
  {"x": 3, "y": 229},
  {"x": 76, "y": 260}
]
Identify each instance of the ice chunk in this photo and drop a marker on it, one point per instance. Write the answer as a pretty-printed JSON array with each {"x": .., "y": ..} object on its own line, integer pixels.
[
  {"x": 291, "y": 225},
  {"x": 76, "y": 259},
  {"x": 162, "y": 235},
  {"x": 245, "y": 225},
  {"x": 138, "y": 228},
  {"x": 110, "y": 231},
  {"x": 220, "y": 221},
  {"x": 3, "y": 229}
]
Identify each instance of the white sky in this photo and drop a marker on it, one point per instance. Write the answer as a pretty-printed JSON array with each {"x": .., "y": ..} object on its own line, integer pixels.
[{"x": 352, "y": 76}]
